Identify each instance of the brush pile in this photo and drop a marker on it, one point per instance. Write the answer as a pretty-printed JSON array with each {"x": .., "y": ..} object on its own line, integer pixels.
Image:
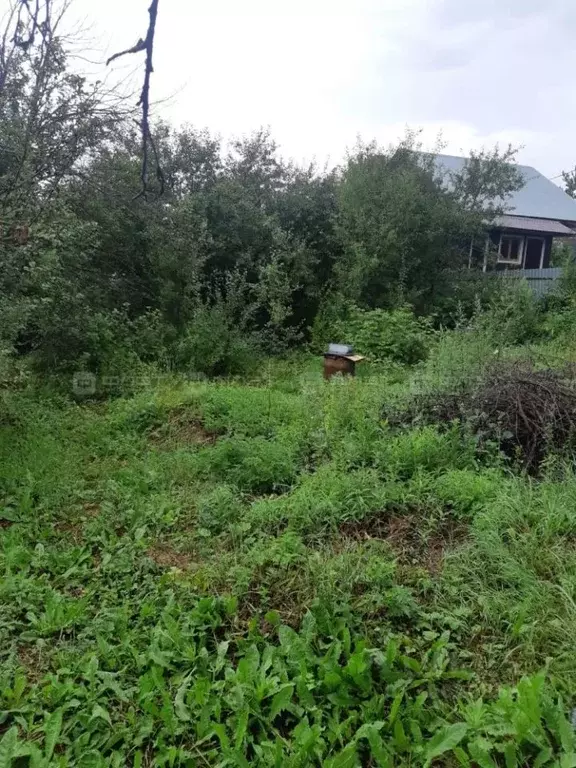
[{"x": 529, "y": 413}]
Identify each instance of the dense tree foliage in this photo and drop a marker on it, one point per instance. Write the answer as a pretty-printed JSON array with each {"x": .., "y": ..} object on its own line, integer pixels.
[
  {"x": 242, "y": 244},
  {"x": 569, "y": 179}
]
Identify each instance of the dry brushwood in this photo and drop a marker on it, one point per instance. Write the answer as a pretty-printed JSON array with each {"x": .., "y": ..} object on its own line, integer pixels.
[{"x": 527, "y": 412}]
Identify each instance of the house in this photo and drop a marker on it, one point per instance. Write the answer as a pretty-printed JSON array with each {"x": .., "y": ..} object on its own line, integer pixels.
[{"x": 537, "y": 213}]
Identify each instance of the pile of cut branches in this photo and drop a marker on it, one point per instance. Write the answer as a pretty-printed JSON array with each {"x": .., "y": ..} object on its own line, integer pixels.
[{"x": 529, "y": 413}]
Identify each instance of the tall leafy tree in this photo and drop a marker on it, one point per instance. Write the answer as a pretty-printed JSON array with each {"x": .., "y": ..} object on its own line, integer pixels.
[{"x": 405, "y": 226}]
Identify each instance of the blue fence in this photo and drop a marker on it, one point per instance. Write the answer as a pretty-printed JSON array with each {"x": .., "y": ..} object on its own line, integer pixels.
[{"x": 542, "y": 281}]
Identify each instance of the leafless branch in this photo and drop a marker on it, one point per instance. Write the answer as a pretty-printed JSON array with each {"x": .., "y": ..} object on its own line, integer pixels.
[
  {"x": 28, "y": 24},
  {"x": 148, "y": 144},
  {"x": 140, "y": 46}
]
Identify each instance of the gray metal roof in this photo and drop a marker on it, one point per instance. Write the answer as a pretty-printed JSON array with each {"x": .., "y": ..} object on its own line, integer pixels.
[
  {"x": 539, "y": 197},
  {"x": 548, "y": 226}
]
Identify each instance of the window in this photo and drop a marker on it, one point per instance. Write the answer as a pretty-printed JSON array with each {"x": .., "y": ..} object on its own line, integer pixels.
[
  {"x": 511, "y": 249},
  {"x": 534, "y": 253}
]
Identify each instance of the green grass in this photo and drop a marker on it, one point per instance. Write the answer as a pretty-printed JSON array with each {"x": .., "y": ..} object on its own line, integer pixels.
[{"x": 267, "y": 574}]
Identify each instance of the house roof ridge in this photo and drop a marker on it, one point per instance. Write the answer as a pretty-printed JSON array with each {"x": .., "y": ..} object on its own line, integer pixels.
[{"x": 538, "y": 198}]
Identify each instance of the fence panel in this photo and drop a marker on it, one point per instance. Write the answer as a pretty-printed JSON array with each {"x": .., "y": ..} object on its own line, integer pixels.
[{"x": 541, "y": 281}]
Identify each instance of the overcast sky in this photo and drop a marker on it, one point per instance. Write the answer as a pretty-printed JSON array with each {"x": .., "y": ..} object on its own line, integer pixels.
[{"x": 320, "y": 72}]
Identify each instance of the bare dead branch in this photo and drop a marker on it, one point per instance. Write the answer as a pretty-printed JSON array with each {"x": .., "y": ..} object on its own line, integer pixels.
[
  {"x": 140, "y": 46},
  {"x": 148, "y": 144},
  {"x": 28, "y": 24}
]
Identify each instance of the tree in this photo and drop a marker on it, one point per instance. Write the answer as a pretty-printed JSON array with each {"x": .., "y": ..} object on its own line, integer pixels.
[
  {"x": 487, "y": 180},
  {"x": 569, "y": 179},
  {"x": 240, "y": 237},
  {"x": 405, "y": 226},
  {"x": 50, "y": 118}
]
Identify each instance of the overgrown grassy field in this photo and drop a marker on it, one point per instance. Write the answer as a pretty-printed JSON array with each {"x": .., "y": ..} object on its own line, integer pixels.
[{"x": 267, "y": 573}]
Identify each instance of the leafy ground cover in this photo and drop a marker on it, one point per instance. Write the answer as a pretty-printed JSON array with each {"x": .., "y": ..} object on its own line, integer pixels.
[{"x": 271, "y": 574}]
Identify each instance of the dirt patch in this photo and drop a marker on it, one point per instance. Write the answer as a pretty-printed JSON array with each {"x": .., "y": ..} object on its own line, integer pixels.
[
  {"x": 33, "y": 661},
  {"x": 91, "y": 509},
  {"x": 451, "y": 536},
  {"x": 166, "y": 557},
  {"x": 6, "y": 523},
  {"x": 180, "y": 429},
  {"x": 257, "y": 602},
  {"x": 69, "y": 530},
  {"x": 281, "y": 590},
  {"x": 408, "y": 537},
  {"x": 76, "y": 592}
]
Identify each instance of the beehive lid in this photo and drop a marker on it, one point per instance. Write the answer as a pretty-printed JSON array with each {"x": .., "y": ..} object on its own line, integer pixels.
[{"x": 340, "y": 349}]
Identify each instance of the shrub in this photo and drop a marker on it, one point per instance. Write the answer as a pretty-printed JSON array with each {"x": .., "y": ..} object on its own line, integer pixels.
[
  {"x": 149, "y": 336},
  {"x": 396, "y": 335},
  {"x": 560, "y": 323},
  {"x": 330, "y": 321},
  {"x": 214, "y": 346},
  {"x": 513, "y": 316},
  {"x": 457, "y": 358},
  {"x": 108, "y": 344},
  {"x": 86, "y": 341},
  {"x": 567, "y": 282},
  {"x": 464, "y": 291}
]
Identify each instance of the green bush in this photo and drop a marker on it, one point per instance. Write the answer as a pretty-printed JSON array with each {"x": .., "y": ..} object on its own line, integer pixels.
[
  {"x": 397, "y": 335},
  {"x": 513, "y": 315},
  {"x": 330, "y": 321},
  {"x": 463, "y": 293},
  {"x": 109, "y": 344},
  {"x": 560, "y": 323},
  {"x": 457, "y": 358},
  {"x": 214, "y": 346}
]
